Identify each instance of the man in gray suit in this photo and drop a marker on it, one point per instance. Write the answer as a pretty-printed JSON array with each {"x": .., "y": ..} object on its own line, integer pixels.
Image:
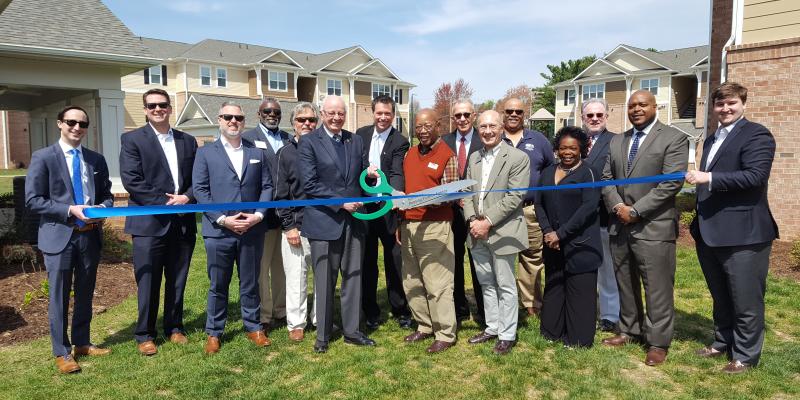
[
  {"x": 63, "y": 180},
  {"x": 229, "y": 170},
  {"x": 497, "y": 229},
  {"x": 643, "y": 226}
]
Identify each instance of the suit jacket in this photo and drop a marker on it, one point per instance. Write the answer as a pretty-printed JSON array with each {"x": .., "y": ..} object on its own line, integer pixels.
[
  {"x": 146, "y": 177},
  {"x": 215, "y": 181},
  {"x": 597, "y": 160},
  {"x": 735, "y": 211},
  {"x": 475, "y": 145},
  {"x": 256, "y": 134},
  {"x": 48, "y": 192},
  {"x": 511, "y": 169},
  {"x": 572, "y": 215},
  {"x": 322, "y": 178},
  {"x": 392, "y": 156},
  {"x": 665, "y": 150}
]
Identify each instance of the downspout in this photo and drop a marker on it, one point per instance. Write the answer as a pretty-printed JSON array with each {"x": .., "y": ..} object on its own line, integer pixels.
[
  {"x": 736, "y": 13},
  {"x": 6, "y": 141}
]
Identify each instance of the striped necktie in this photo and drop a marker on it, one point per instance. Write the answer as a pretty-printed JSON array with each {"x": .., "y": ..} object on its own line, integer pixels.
[{"x": 634, "y": 149}]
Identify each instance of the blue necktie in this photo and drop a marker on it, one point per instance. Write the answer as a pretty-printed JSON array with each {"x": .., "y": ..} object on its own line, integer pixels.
[
  {"x": 77, "y": 186},
  {"x": 634, "y": 149}
]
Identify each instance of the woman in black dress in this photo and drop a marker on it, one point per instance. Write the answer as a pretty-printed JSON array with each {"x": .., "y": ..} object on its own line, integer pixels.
[{"x": 572, "y": 249}]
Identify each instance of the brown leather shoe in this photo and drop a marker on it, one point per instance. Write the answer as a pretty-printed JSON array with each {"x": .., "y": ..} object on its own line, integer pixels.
[
  {"x": 617, "y": 340},
  {"x": 736, "y": 367},
  {"x": 417, "y": 336},
  {"x": 296, "y": 335},
  {"x": 67, "y": 365},
  {"x": 439, "y": 346},
  {"x": 259, "y": 338},
  {"x": 655, "y": 356},
  {"x": 90, "y": 350},
  {"x": 212, "y": 345},
  {"x": 709, "y": 352},
  {"x": 147, "y": 348},
  {"x": 178, "y": 338},
  {"x": 502, "y": 347},
  {"x": 482, "y": 337}
]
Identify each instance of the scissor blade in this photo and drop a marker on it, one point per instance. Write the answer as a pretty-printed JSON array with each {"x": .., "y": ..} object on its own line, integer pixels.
[{"x": 439, "y": 194}]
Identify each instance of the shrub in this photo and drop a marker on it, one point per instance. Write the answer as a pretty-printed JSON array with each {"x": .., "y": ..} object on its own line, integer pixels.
[
  {"x": 687, "y": 217},
  {"x": 795, "y": 254}
]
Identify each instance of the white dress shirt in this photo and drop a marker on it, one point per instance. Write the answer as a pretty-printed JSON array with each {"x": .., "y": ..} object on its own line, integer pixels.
[
  {"x": 167, "y": 141},
  {"x": 467, "y": 142},
  {"x": 487, "y": 162},
  {"x": 376, "y": 148},
  {"x": 86, "y": 183},
  {"x": 236, "y": 155},
  {"x": 719, "y": 137}
]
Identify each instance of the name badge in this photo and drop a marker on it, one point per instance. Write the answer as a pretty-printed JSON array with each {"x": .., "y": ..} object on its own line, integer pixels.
[
  {"x": 432, "y": 165},
  {"x": 261, "y": 144},
  {"x": 529, "y": 146}
]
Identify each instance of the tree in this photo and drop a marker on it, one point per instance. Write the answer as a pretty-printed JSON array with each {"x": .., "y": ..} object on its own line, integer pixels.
[
  {"x": 565, "y": 71},
  {"x": 522, "y": 92},
  {"x": 486, "y": 105},
  {"x": 444, "y": 97}
]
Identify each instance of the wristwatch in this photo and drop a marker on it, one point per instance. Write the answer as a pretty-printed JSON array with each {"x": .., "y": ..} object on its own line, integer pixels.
[{"x": 633, "y": 213}]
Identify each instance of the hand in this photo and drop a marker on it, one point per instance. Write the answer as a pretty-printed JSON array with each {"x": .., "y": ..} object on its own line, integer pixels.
[
  {"x": 77, "y": 212},
  {"x": 293, "y": 237},
  {"x": 479, "y": 228},
  {"x": 372, "y": 172},
  {"x": 351, "y": 207},
  {"x": 552, "y": 241},
  {"x": 174, "y": 199},
  {"x": 624, "y": 215},
  {"x": 235, "y": 223},
  {"x": 394, "y": 205},
  {"x": 697, "y": 177}
]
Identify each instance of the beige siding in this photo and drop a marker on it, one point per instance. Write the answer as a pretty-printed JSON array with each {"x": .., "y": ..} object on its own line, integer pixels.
[
  {"x": 766, "y": 20},
  {"x": 237, "y": 85},
  {"x": 288, "y": 94},
  {"x": 134, "y": 111}
]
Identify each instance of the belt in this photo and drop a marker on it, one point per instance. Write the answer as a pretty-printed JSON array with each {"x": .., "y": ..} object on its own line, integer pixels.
[{"x": 85, "y": 228}]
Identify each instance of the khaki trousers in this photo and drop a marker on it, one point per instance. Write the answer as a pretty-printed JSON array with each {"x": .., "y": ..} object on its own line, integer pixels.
[
  {"x": 530, "y": 264},
  {"x": 272, "y": 279},
  {"x": 428, "y": 266}
]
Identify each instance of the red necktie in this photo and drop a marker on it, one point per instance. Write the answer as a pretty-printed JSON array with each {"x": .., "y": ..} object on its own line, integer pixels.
[
  {"x": 591, "y": 143},
  {"x": 462, "y": 156}
]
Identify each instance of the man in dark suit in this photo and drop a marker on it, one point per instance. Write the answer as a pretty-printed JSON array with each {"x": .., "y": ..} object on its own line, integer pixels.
[
  {"x": 385, "y": 148},
  {"x": 463, "y": 141},
  {"x": 734, "y": 228},
  {"x": 644, "y": 226},
  {"x": 156, "y": 169},
  {"x": 229, "y": 170},
  {"x": 268, "y": 137},
  {"x": 63, "y": 180},
  {"x": 330, "y": 160},
  {"x": 594, "y": 113}
]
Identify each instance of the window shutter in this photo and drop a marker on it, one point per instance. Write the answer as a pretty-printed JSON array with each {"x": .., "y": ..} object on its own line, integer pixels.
[
  {"x": 147, "y": 76},
  {"x": 164, "y": 75},
  {"x": 566, "y": 97},
  {"x": 401, "y": 101}
]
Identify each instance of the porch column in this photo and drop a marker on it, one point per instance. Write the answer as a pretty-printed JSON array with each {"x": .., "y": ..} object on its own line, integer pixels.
[{"x": 111, "y": 124}]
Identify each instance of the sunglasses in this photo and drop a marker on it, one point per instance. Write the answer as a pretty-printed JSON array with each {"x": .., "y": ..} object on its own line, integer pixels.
[
  {"x": 268, "y": 111},
  {"x": 592, "y": 115},
  {"x": 459, "y": 115},
  {"x": 512, "y": 112},
  {"x": 152, "y": 106},
  {"x": 71, "y": 123},
  {"x": 228, "y": 117},
  {"x": 303, "y": 120}
]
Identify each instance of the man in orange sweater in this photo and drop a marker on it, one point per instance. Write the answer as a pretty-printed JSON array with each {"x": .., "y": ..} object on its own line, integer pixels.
[{"x": 425, "y": 235}]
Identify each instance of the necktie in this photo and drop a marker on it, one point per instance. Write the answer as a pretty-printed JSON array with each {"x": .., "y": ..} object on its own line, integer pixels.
[
  {"x": 634, "y": 149},
  {"x": 462, "y": 156},
  {"x": 77, "y": 186},
  {"x": 591, "y": 143},
  {"x": 337, "y": 138}
]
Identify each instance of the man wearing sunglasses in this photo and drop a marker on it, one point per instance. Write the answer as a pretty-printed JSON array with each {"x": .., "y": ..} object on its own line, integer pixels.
[
  {"x": 268, "y": 137},
  {"x": 156, "y": 169},
  {"x": 538, "y": 149},
  {"x": 63, "y": 180}
]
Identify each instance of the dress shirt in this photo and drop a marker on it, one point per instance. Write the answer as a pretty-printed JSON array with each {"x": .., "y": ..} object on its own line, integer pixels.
[
  {"x": 719, "y": 137},
  {"x": 487, "y": 160},
  {"x": 331, "y": 134},
  {"x": 467, "y": 143},
  {"x": 85, "y": 181},
  {"x": 236, "y": 155},
  {"x": 274, "y": 138},
  {"x": 645, "y": 132},
  {"x": 167, "y": 141},
  {"x": 376, "y": 148}
]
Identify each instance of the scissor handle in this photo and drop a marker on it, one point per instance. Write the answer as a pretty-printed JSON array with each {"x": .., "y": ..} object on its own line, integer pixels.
[{"x": 382, "y": 188}]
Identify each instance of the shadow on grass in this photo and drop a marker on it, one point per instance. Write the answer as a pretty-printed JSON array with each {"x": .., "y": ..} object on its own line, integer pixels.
[{"x": 693, "y": 326}]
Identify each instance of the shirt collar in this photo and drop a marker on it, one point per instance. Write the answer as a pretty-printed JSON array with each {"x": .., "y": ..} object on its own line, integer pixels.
[
  {"x": 493, "y": 151},
  {"x": 169, "y": 132},
  {"x": 468, "y": 136},
  {"x": 227, "y": 144},
  {"x": 383, "y": 134},
  {"x": 425, "y": 150},
  {"x": 646, "y": 129},
  {"x": 730, "y": 127},
  {"x": 66, "y": 148},
  {"x": 330, "y": 134},
  {"x": 267, "y": 131}
]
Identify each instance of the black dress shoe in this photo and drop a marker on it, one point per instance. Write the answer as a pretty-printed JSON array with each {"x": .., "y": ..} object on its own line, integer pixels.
[
  {"x": 361, "y": 340},
  {"x": 503, "y": 347},
  {"x": 481, "y": 338},
  {"x": 607, "y": 326},
  {"x": 405, "y": 322},
  {"x": 320, "y": 348},
  {"x": 373, "y": 324}
]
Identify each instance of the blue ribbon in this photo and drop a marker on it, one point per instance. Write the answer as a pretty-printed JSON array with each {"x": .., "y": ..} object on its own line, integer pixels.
[{"x": 100, "y": 212}]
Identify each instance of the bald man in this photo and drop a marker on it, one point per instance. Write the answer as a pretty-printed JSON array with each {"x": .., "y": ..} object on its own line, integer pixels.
[
  {"x": 643, "y": 226},
  {"x": 425, "y": 235}
]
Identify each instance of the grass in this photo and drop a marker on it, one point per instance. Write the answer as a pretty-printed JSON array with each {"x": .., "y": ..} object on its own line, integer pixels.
[
  {"x": 7, "y": 179},
  {"x": 534, "y": 369}
]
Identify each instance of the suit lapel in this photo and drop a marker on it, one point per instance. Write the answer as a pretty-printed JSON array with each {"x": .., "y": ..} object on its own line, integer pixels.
[
  {"x": 477, "y": 173},
  {"x": 728, "y": 139},
  {"x": 224, "y": 155},
  {"x": 246, "y": 153},
  {"x": 90, "y": 161},
  {"x": 499, "y": 161},
  {"x": 650, "y": 138},
  {"x": 64, "y": 170},
  {"x": 347, "y": 140},
  {"x": 150, "y": 136},
  {"x": 706, "y": 149},
  {"x": 328, "y": 146},
  {"x": 181, "y": 152},
  {"x": 624, "y": 151}
]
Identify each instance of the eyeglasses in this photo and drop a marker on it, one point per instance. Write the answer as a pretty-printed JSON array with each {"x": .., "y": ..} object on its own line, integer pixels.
[
  {"x": 71, "y": 123},
  {"x": 592, "y": 115},
  {"x": 303, "y": 120},
  {"x": 512, "y": 112},
  {"x": 267, "y": 111},
  {"x": 426, "y": 127},
  {"x": 459, "y": 115},
  {"x": 228, "y": 117},
  {"x": 152, "y": 106},
  {"x": 334, "y": 113}
]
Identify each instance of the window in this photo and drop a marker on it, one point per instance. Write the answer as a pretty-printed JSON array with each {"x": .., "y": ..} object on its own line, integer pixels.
[
  {"x": 334, "y": 87},
  {"x": 205, "y": 75},
  {"x": 222, "y": 77},
  {"x": 651, "y": 85},
  {"x": 379, "y": 89},
  {"x": 277, "y": 81},
  {"x": 569, "y": 96},
  {"x": 155, "y": 74},
  {"x": 398, "y": 96},
  {"x": 568, "y": 121},
  {"x": 596, "y": 91},
  {"x": 398, "y": 124}
]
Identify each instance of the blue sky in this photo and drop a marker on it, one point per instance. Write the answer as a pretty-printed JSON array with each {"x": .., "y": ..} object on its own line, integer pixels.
[{"x": 493, "y": 44}]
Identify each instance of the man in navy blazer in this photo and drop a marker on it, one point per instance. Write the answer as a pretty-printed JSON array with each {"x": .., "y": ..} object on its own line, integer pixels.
[
  {"x": 734, "y": 228},
  {"x": 231, "y": 171},
  {"x": 156, "y": 169},
  {"x": 63, "y": 180},
  {"x": 330, "y": 160},
  {"x": 268, "y": 137}
]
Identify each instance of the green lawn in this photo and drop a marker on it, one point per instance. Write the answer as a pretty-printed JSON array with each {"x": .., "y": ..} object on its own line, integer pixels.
[
  {"x": 534, "y": 369},
  {"x": 7, "y": 178}
]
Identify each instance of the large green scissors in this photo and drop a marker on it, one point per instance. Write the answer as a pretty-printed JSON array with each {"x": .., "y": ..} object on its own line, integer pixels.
[{"x": 382, "y": 188}]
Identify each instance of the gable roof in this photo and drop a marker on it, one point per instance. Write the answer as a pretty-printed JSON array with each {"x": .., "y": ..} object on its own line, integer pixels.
[
  {"x": 208, "y": 106},
  {"x": 678, "y": 60}
]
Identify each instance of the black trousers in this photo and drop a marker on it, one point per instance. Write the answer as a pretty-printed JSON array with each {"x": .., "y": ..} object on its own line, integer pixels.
[
  {"x": 153, "y": 256},
  {"x": 569, "y": 302},
  {"x": 378, "y": 229},
  {"x": 460, "y": 232}
]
